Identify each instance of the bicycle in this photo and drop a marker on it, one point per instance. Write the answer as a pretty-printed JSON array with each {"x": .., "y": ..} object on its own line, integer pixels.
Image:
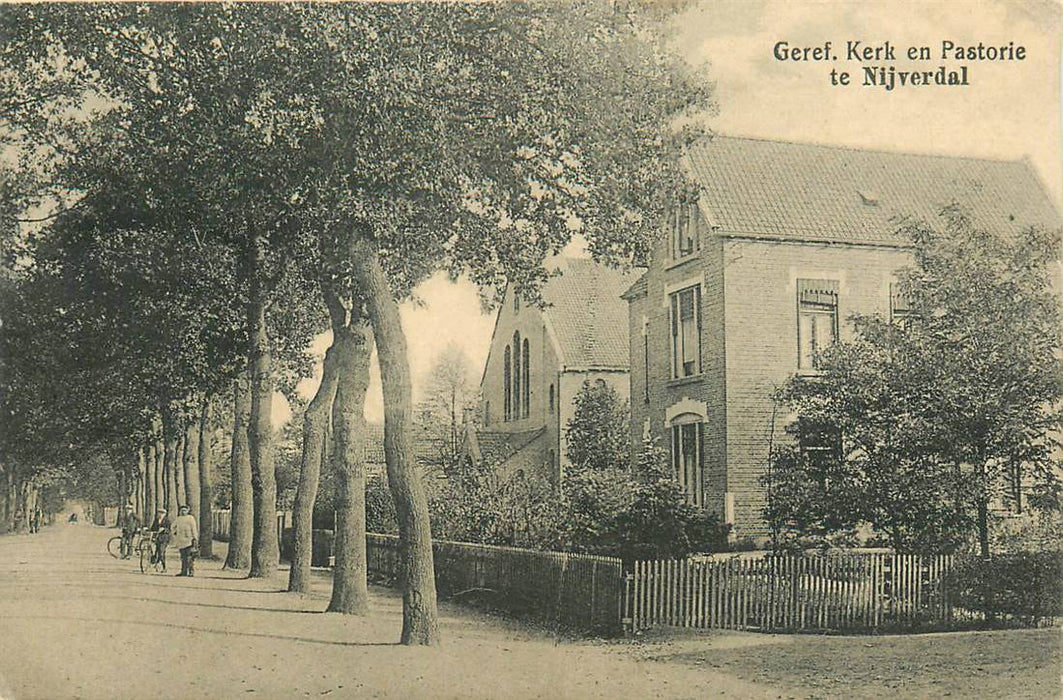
[
  {"x": 145, "y": 548},
  {"x": 115, "y": 546}
]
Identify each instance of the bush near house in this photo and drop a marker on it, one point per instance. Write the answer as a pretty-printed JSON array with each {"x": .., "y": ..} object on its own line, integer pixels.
[
  {"x": 628, "y": 512},
  {"x": 606, "y": 507},
  {"x": 1027, "y": 585}
]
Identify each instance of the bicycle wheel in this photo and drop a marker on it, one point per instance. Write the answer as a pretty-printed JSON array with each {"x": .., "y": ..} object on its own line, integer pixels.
[
  {"x": 145, "y": 557},
  {"x": 114, "y": 547}
]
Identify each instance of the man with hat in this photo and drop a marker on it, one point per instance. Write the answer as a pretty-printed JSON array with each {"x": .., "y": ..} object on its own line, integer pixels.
[
  {"x": 185, "y": 538},
  {"x": 161, "y": 527},
  {"x": 130, "y": 524}
]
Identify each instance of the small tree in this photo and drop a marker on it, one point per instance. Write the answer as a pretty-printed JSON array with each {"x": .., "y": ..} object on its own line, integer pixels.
[
  {"x": 659, "y": 523},
  {"x": 450, "y": 391},
  {"x": 598, "y": 433}
]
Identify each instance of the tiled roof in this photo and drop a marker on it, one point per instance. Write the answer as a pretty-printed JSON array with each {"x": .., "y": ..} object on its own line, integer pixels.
[
  {"x": 424, "y": 446},
  {"x": 588, "y": 317},
  {"x": 496, "y": 446},
  {"x": 829, "y": 193},
  {"x": 637, "y": 289}
]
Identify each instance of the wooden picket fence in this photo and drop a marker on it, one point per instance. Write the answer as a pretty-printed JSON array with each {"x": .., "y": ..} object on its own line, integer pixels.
[
  {"x": 574, "y": 591},
  {"x": 829, "y": 592}
]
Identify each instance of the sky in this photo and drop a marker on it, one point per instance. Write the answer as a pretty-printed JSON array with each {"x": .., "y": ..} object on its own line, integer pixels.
[{"x": 1010, "y": 110}]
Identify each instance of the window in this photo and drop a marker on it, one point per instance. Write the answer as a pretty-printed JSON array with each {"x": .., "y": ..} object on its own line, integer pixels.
[
  {"x": 516, "y": 302},
  {"x": 515, "y": 411},
  {"x": 686, "y": 332},
  {"x": 506, "y": 386},
  {"x": 526, "y": 391},
  {"x": 551, "y": 392},
  {"x": 817, "y": 319},
  {"x": 684, "y": 228},
  {"x": 687, "y": 434},
  {"x": 819, "y": 442},
  {"x": 900, "y": 305}
]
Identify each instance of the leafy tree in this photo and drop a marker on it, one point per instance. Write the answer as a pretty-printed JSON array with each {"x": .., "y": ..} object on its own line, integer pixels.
[
  {"x": 388, "y": 129},
  {"x": 599, "y": 432},
  {"x": 932, "y": 418}
]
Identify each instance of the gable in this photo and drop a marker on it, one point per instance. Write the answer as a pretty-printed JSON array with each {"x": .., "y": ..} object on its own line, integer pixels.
[{"x": 587, "y": 314}]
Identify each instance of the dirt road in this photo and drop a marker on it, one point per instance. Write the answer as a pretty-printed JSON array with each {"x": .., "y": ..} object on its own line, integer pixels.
[{"x": 75, "y": 623}]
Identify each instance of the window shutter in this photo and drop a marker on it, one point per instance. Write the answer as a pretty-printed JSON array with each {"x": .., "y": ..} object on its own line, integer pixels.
[{"x": 697, "y": 315}]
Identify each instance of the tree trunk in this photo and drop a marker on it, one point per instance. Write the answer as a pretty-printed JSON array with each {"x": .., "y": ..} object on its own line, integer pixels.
[
  {"x": 21, "y": 492},
  {"x": 264, "y": 546},
  {"x": 160, "y": 474},
  {"x": 4, "y": 471},
  {"x": 983, "y": 510},
  {"x": 350, "y": 589},
  {"x": 150, "y": 497},
  {"x": 242, "y": 515},
  {"x": 123, "y": 489},
  {"x": 179, "y": 464},
  {"x": 142, "y": 468},
  {"x": 191, "y": 468},
  {"x": 206, "y": 491},
  {"x": 314, "y": 421},
  {"x": 11, "y": 498},
  {"x": 419, "y": 610},
  {"x": 169, "y": 438}
]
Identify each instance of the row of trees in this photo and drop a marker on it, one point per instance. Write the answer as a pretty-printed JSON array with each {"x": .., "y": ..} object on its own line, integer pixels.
[
  {"x": 200, "y": 190},
  {"x": 919, "y": 423}
]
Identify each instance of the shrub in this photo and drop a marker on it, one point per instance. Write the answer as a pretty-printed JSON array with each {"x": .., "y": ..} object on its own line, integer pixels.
[
  {"x": 1022, "y": 584},
  {"x": 379, "y": 507},
  {"x": 658, "y": 522}
]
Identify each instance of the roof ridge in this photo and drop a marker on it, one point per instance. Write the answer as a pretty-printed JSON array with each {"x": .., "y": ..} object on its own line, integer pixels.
[{"x": 861, "y": 149}]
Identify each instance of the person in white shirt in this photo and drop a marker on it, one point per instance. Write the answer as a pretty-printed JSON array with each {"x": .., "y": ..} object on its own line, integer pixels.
[{"x": 185, "y": 537}]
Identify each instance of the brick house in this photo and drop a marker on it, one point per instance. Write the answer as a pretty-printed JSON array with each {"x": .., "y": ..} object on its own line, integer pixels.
[
  {"x": 539, "y": 359},
  {"x": 760, "y": 269}
]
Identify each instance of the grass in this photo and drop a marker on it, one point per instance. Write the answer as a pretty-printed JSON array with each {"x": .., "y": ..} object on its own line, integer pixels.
[{"x": 989, "y": 664}]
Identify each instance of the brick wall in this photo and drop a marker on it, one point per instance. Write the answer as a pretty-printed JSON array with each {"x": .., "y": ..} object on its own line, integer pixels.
[
  {"x": 529, "y": 322},
  {"x": 667, "y": 395},
  {"x": 761, "y": 347},
  {"x": 749, "y": 348}
]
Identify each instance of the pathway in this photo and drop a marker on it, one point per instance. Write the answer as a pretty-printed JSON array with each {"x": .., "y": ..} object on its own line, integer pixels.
[{"x": 76, "y": 623}]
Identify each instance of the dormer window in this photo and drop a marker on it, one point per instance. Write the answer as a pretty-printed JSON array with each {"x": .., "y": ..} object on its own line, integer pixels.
[{"x": 685, "y": 225}]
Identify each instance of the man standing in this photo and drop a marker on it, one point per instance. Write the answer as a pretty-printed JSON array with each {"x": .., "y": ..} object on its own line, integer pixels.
[
  {"x": 130, "y": 524},
  {"x": 35, "y": 521},
  {"x": 185, "y": 538}
]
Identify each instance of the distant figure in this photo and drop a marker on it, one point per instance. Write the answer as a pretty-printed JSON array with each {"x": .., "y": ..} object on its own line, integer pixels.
[
  {"x": 161, "y": 527},
  {"x": 35, "y": 521},
  {"x": 129, "y": 523},
  {"x": 185, "y": 538},
  {"x": 73, "y": 519}
]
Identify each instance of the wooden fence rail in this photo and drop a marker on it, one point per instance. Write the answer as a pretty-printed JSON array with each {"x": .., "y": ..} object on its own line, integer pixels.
[
  {"x": 574, "y": 591},
  {"x": 830, "y": 592}
]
